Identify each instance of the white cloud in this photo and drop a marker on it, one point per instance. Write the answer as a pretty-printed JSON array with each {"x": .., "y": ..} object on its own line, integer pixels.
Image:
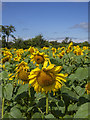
[
  {"x": 77, "y": 40},
  {"x": 83, "y": 25}
]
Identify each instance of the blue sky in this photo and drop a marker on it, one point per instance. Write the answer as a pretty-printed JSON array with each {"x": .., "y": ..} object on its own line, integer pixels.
[{"x": 54, "y": 20}]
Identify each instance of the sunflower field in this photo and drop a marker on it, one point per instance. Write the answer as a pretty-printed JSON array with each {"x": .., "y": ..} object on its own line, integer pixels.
[{"x": 44, "y": 83}]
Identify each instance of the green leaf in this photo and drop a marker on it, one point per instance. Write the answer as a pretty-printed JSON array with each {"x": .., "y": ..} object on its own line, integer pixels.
[
  {"x": 0, "y": 76},
  {"x": 80, "y": 90},
  {"x": 49, "y": 116},
  {"x": 0, "y": 91},
  {"x": 22, "y": 88},
  {"x": 69, "y": 92},
  {"x": 68, "y": 116},
  {"x": 15, "y": 113},
  {"x": 81, "y": 73},
  {"x": 8, "y": 91},
  {"x": 37, "y": 115},
  {"x": 83, "y": 111},
  {"x": 29, "y": 109},
  {"x": 4, "y": 75},
  {"x": 72, "y": 107},
  {"x": 6, "y": 115},
  {"x": 72, "y": 78}
]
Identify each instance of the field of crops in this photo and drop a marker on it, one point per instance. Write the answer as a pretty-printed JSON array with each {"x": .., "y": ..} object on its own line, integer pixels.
[{"x": 45, "y": 82}]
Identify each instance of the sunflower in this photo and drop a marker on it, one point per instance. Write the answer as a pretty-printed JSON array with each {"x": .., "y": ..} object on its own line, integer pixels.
[
  {"x": 21, "y": 73},
  {"x": 53, "y": 50},
  {"x": 38, "y": 57},
  {"x": 17, "y": 58},
  {"x": 6, "y": 59},
  {"x": 45, "y": 48},
  {"x": 31, "y": 49},
  {"x": 69, "y": 49},
  {"x": 87, "y": 88},
  {"x": 47, "y": 79},
  {"x": 78, "y": 51}
]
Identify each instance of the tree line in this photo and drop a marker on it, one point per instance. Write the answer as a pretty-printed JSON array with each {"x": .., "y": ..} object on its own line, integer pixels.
[{"x": 7, "y": 31}]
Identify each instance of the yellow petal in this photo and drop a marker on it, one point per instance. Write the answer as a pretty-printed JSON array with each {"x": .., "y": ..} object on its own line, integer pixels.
[
  {"x": 58, "y": 68},
  {"x": 32, "y": 81},
  {"x": 45, "y": 64},
  {"x": 60, "y": 75},
  {"x": 32, "y": 76},
  {"x": 60, "y": 78},
  {"x": 51, "y": 66}
]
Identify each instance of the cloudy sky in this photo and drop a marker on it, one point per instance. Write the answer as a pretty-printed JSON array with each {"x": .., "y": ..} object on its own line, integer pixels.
[{"x": 54, "y": 20}]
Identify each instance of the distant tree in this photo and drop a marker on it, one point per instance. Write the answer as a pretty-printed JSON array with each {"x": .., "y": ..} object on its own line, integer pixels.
[
  {"x": 7, "y": 32},
  {"x": 65, "y": 40},
  {"x": 18, "y": 43},
  {"x": 39, "y": 41}
]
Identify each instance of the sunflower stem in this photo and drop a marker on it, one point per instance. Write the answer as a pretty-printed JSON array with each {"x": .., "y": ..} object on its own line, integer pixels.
[
  {"x": 46, "y": 103},
  {"x": 29, "y": 92},
  {"x": 2, "y": 106}
]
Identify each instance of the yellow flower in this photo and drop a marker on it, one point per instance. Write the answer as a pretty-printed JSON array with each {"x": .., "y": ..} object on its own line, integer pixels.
[
  {"x": 78, "y": 51},
  {"x": 7, "y": 53},
  {"x": 5, "y": 59},
  {"x": 21, "y": 73},
  {"x": 60, "y": 55},
  {"x": 84, "y": 47},
  {"x": 31, "y": 49},
  {"x": 87, "y": 87},
  {"x": 17, "y": 58},
  {"x": 38, "y": 57},
  {"x": 47, "y": 79},
  {"x": 62, "y": 48},
  {"x": 69, "y": 49},
  {"x": 54, "y": 50},
  {"x": 44, "y": 48},
  {"x": 54, "y": 55}
]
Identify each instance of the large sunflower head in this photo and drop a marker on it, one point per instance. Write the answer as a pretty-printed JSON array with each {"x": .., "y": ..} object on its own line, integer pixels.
[
  {"x": 38, "y": 57},
  {"x": 47, "y": 79}
]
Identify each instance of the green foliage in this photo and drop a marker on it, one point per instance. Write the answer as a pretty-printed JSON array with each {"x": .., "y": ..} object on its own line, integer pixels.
[{"x": 71, "y": 101}]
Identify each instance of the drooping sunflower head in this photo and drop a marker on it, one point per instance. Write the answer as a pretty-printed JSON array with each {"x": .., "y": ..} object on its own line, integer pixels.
[
  {"x": 22, "y": 64},
  {"x": 38, "y": 57},
  {"x": 47, "y": 79},
  {"x": 22, "y": 72},
  {"x": 23, "y": 75}
]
